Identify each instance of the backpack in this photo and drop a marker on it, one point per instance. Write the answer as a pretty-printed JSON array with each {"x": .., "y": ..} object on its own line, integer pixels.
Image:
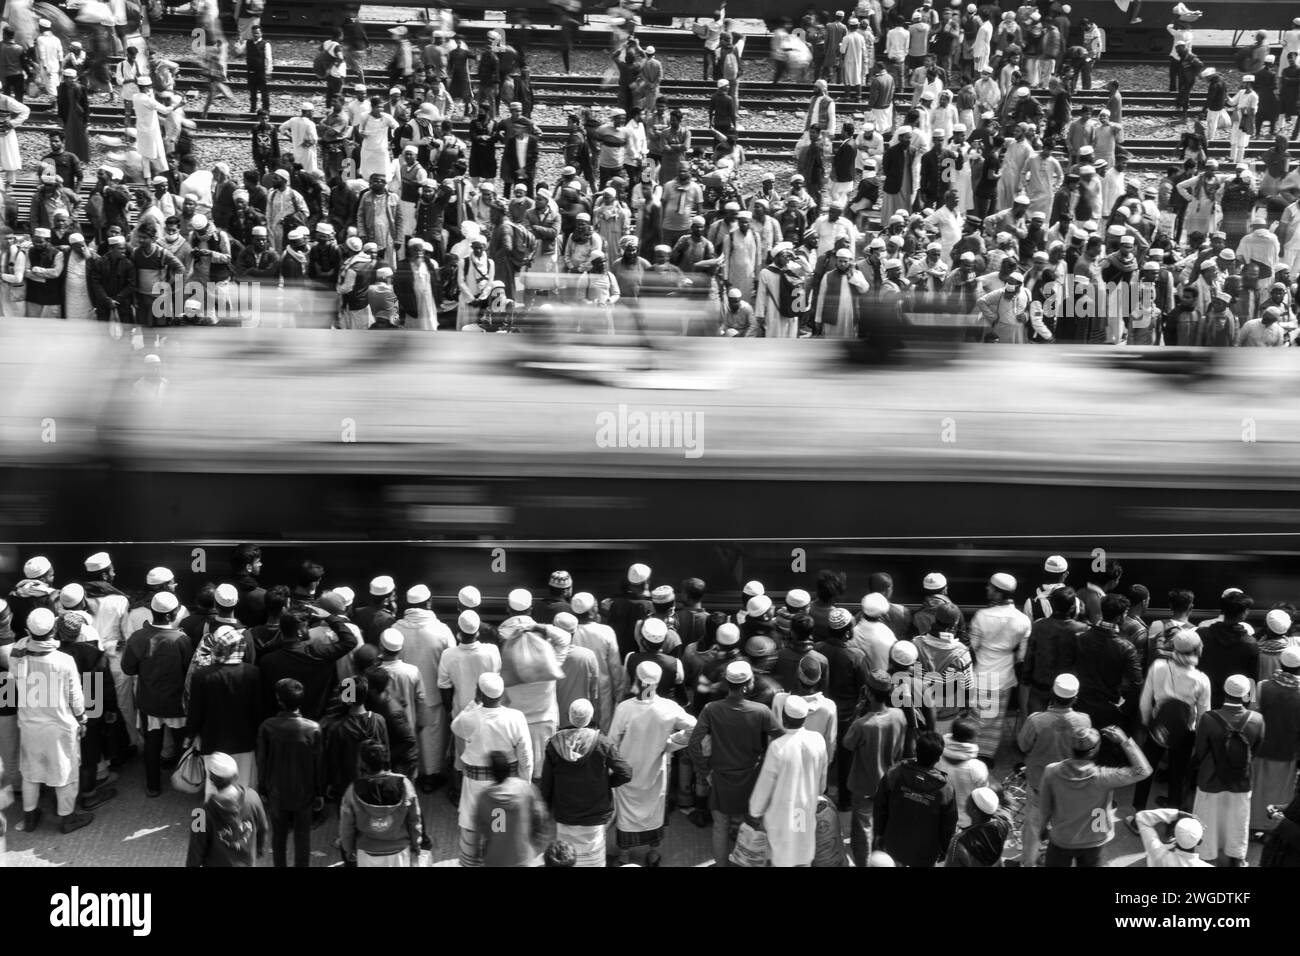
[
  {"x": 1172, "y": 719},
  {"x": 321, "y": 65},
  {"x": 1232, "y": 756}
]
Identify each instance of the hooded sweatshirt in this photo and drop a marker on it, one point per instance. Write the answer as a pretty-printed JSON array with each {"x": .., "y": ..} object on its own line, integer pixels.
[
  {"x": 1076, "y": 798},
  {"x": 26, "y": 596},
  {"x": 234, "y": 831},
  {"x": 579, "y": 775},
  {"x": 949, "y": 658},
  {"x": 965, "y": 772},
  {"x": 344, "y": 734},
  {"x": 1229, "y": 649},
  {"x": 380, "y": 815},
  {"x": 915, "y": 814}
]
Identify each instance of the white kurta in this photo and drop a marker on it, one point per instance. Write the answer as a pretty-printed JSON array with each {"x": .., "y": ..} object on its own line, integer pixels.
[
  {"x": 785, "y": 795},
  {"x": 148, "y": 131},
  {"x": 645, "y": 732},
  {"x": 76, "y": 294},
  {"x": 375, "y": 155},
  {"x": 302, "y": 134},
  {"x": 426, "y": 308},
  {"x": 50, "y": 698},
  {"x": 741, "y": 262},
  {"x": 10, "y": 158},
  {"x": 853, "y": 48}
]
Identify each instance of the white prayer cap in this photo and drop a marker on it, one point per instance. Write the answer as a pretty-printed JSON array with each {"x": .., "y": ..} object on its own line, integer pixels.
[
  {"x": 875, "y": 604},
  {"x": 986, "y": 799},
  {"x": 739, "y": 672},
  {"x": 226, "y": 595},
  {"x": 758, "y": 605},
  {"x": 468, "y": 596},
  {"x": 582, "y": 602},
  {"x": 40, "y": 622},
  {"x": 638, "y": 574},
  {"x": 903, "y": 653},
  {"x": 418, "y": 594},
  {"x": 566, "y": 622},
  {"x": 795, "y": 707},
  {"x": 347, "y": 594},
  {"x": 797, "y": 598},
  {"x": 164, "y": 602},
  {"x": 648, "y": 672},
  {"x": 468, "y": 622},
  {"x": 71, "y": 595},
  {"x": 1277, "y": 621},
  {"x": 728, "y": 635},
  {"x": 1238, "y": 686},
  {"x": 98, "y": 561},
  {"x": 1056, "y": 564},
  {"x": 654, "y": 630},
  {"x": 221, "y": 767},
  {"x": 1188, "y": 833},
  {"x": 491, "y": 685},
  {"x": 382, "y": 586},
  {"x": 580, "y": 712},
  {"x": 37, "y": 567},
  {"x": 520, "y": 599}
]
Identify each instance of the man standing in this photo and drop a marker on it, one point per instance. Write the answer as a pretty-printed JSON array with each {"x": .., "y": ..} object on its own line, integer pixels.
[
  {"x": 1228, "y": 740},
  {"x": 260, "y": 67},
  {"x": 1107, "y": 665},
  {"x": 234, "y": 821},
  {"x": 51, "y": 721},
  {"x": 1077, "y": 803},
  {"x": 785, "y": 796},
  {"x": 914, "y": 810},
  {"x": 1273, "y": 771},
  {"x": 739, "y": 730},
  {"x": 487, "y": 727},
  {"x": 873, "y": 745},
  {"x": 425, "y": 640},
  {"x": 291, "y": 774},
  {"x": 1230, "y": 645},
  {"x": 581, "y": 770},
  {"x": 159, "y": 654},
  {"x": 1046, "y": 738}
]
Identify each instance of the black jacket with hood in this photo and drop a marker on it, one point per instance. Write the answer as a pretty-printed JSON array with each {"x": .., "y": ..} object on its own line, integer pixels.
[{"x": 580, "y": 771}]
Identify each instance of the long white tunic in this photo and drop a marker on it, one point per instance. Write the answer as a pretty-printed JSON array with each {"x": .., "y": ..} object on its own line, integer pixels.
[
  {"x": 645, "y": 732},
  {"x": 302, "y": 134},
  {"x": 148, "y": 131},
  {"x": 17, "y": 114},
  {"x": 854, "y": 50},
  {"x": 785, "y": 796},
  {"x": 49, "y": 699},
  {"x": 76, "y": 294},
  {"x": 375, "y": 155}
]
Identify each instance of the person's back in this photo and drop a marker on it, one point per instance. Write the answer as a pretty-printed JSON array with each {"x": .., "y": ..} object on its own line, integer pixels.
[
  {"x": 225, "y": 707},
  {"x": 876, "y": 741},
  {"x": 1104, "y": 666},
  {"x": 624, "y": 613},
  {"x": 1279, "y": 704},
  {"x": 1229, "y": 649},
  {"x": 1076, "y": 803},
  {"x": 160, "y": 657},
  {"x": 960, "y": 761},
  {"x": 1053, "y": 648},
  {"x": 344, "y": 735},
  {"x": 234, "y": 830},
  {"x": 1045, "y": 738},
  {"x": 915, "y": 811},
  {"x": 379, "y": 819},
  {"x": 290, "y": 761},
  {"x": 510, "y": 819},
  {"x": 1227, "y": 738},
  {"x": 312, "y": 661}
]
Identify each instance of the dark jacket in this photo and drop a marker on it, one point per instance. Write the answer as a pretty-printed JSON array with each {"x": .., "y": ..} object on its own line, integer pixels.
[
  {"x": 225, "y": 708},
  {"x": 91, "y": 660},
  {"x": 312, "y": 662},
  {"x": 110, "y": 281},
  {"x": 290, "y": 762},
  {"x": 624, "y": 612},
  {"x": 160, "y": 657},
  {"x": 511, "y": 172},
  {"x": 373, "y": 619},
  {"x": 380, "y": 815},
  {"x": 845, "y": 676},
  {"x": 1108, "y": 670},
  {"x": 1279, "y": 703},
  {"x": 251, "y": 609},
  {"x": 1052, "y": 649},
  {"x": 914, "y": 814},
  {"x": 580, "y": 770},
  {"x": 1228, "y": 650},
  {"x": 344, "y": 734},
  {"x": 234, "y": 831},
  {"x": 403, "y": 745}
]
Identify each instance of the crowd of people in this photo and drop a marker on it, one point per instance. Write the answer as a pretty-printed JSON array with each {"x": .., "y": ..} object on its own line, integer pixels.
[
  {"x": 776, "y": 719},
  {"x": 990, "y": 204}
]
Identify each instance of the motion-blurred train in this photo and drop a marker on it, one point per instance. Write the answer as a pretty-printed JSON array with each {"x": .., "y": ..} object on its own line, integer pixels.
[{"x": 427, "y": 453}]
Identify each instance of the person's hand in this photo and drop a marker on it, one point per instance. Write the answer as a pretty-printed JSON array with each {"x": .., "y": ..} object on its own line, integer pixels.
[{"x": 1114, "y": 735}]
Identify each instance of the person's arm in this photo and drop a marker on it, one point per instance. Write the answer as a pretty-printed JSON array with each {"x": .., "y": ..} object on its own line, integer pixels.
[
  {"x": 761, "y": 796},
  {"x": 695, "y": 749},
  {"x": 1138, "y": 767},
  {"x": 947, "y": 822},
  {"x": 1148, "y": 820},
  {"x": 413, "y": 828},
  {"x": 348, "y": 826},
  {"x": 524, "y": 753},
  {"x": 880, "y": 812},
  {"x": 199, "y": 842}
]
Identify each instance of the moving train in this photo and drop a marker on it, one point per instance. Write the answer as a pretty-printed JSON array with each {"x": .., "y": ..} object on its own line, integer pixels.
[{"x": 426, "y": 454}]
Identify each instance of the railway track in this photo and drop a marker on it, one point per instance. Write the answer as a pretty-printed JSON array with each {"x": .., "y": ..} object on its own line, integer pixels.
[{"x": 768, "y": 146}]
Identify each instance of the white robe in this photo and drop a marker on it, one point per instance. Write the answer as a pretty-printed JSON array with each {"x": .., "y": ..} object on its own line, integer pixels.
[
  {"x": 10, "y": 158},
  {"x": 645, "y": 732},
  {"x": 302, "y": 134},
  {"x": 375, "y": 155},
  {"x": 148, "y": 131},
  {"x": 742, "y": 258},
  {"x": 853, "y": 49},
  {"x": 785, "y": 795},
  {"x": 51, "y": 697},
  {"x": 846, "y": 327}
]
